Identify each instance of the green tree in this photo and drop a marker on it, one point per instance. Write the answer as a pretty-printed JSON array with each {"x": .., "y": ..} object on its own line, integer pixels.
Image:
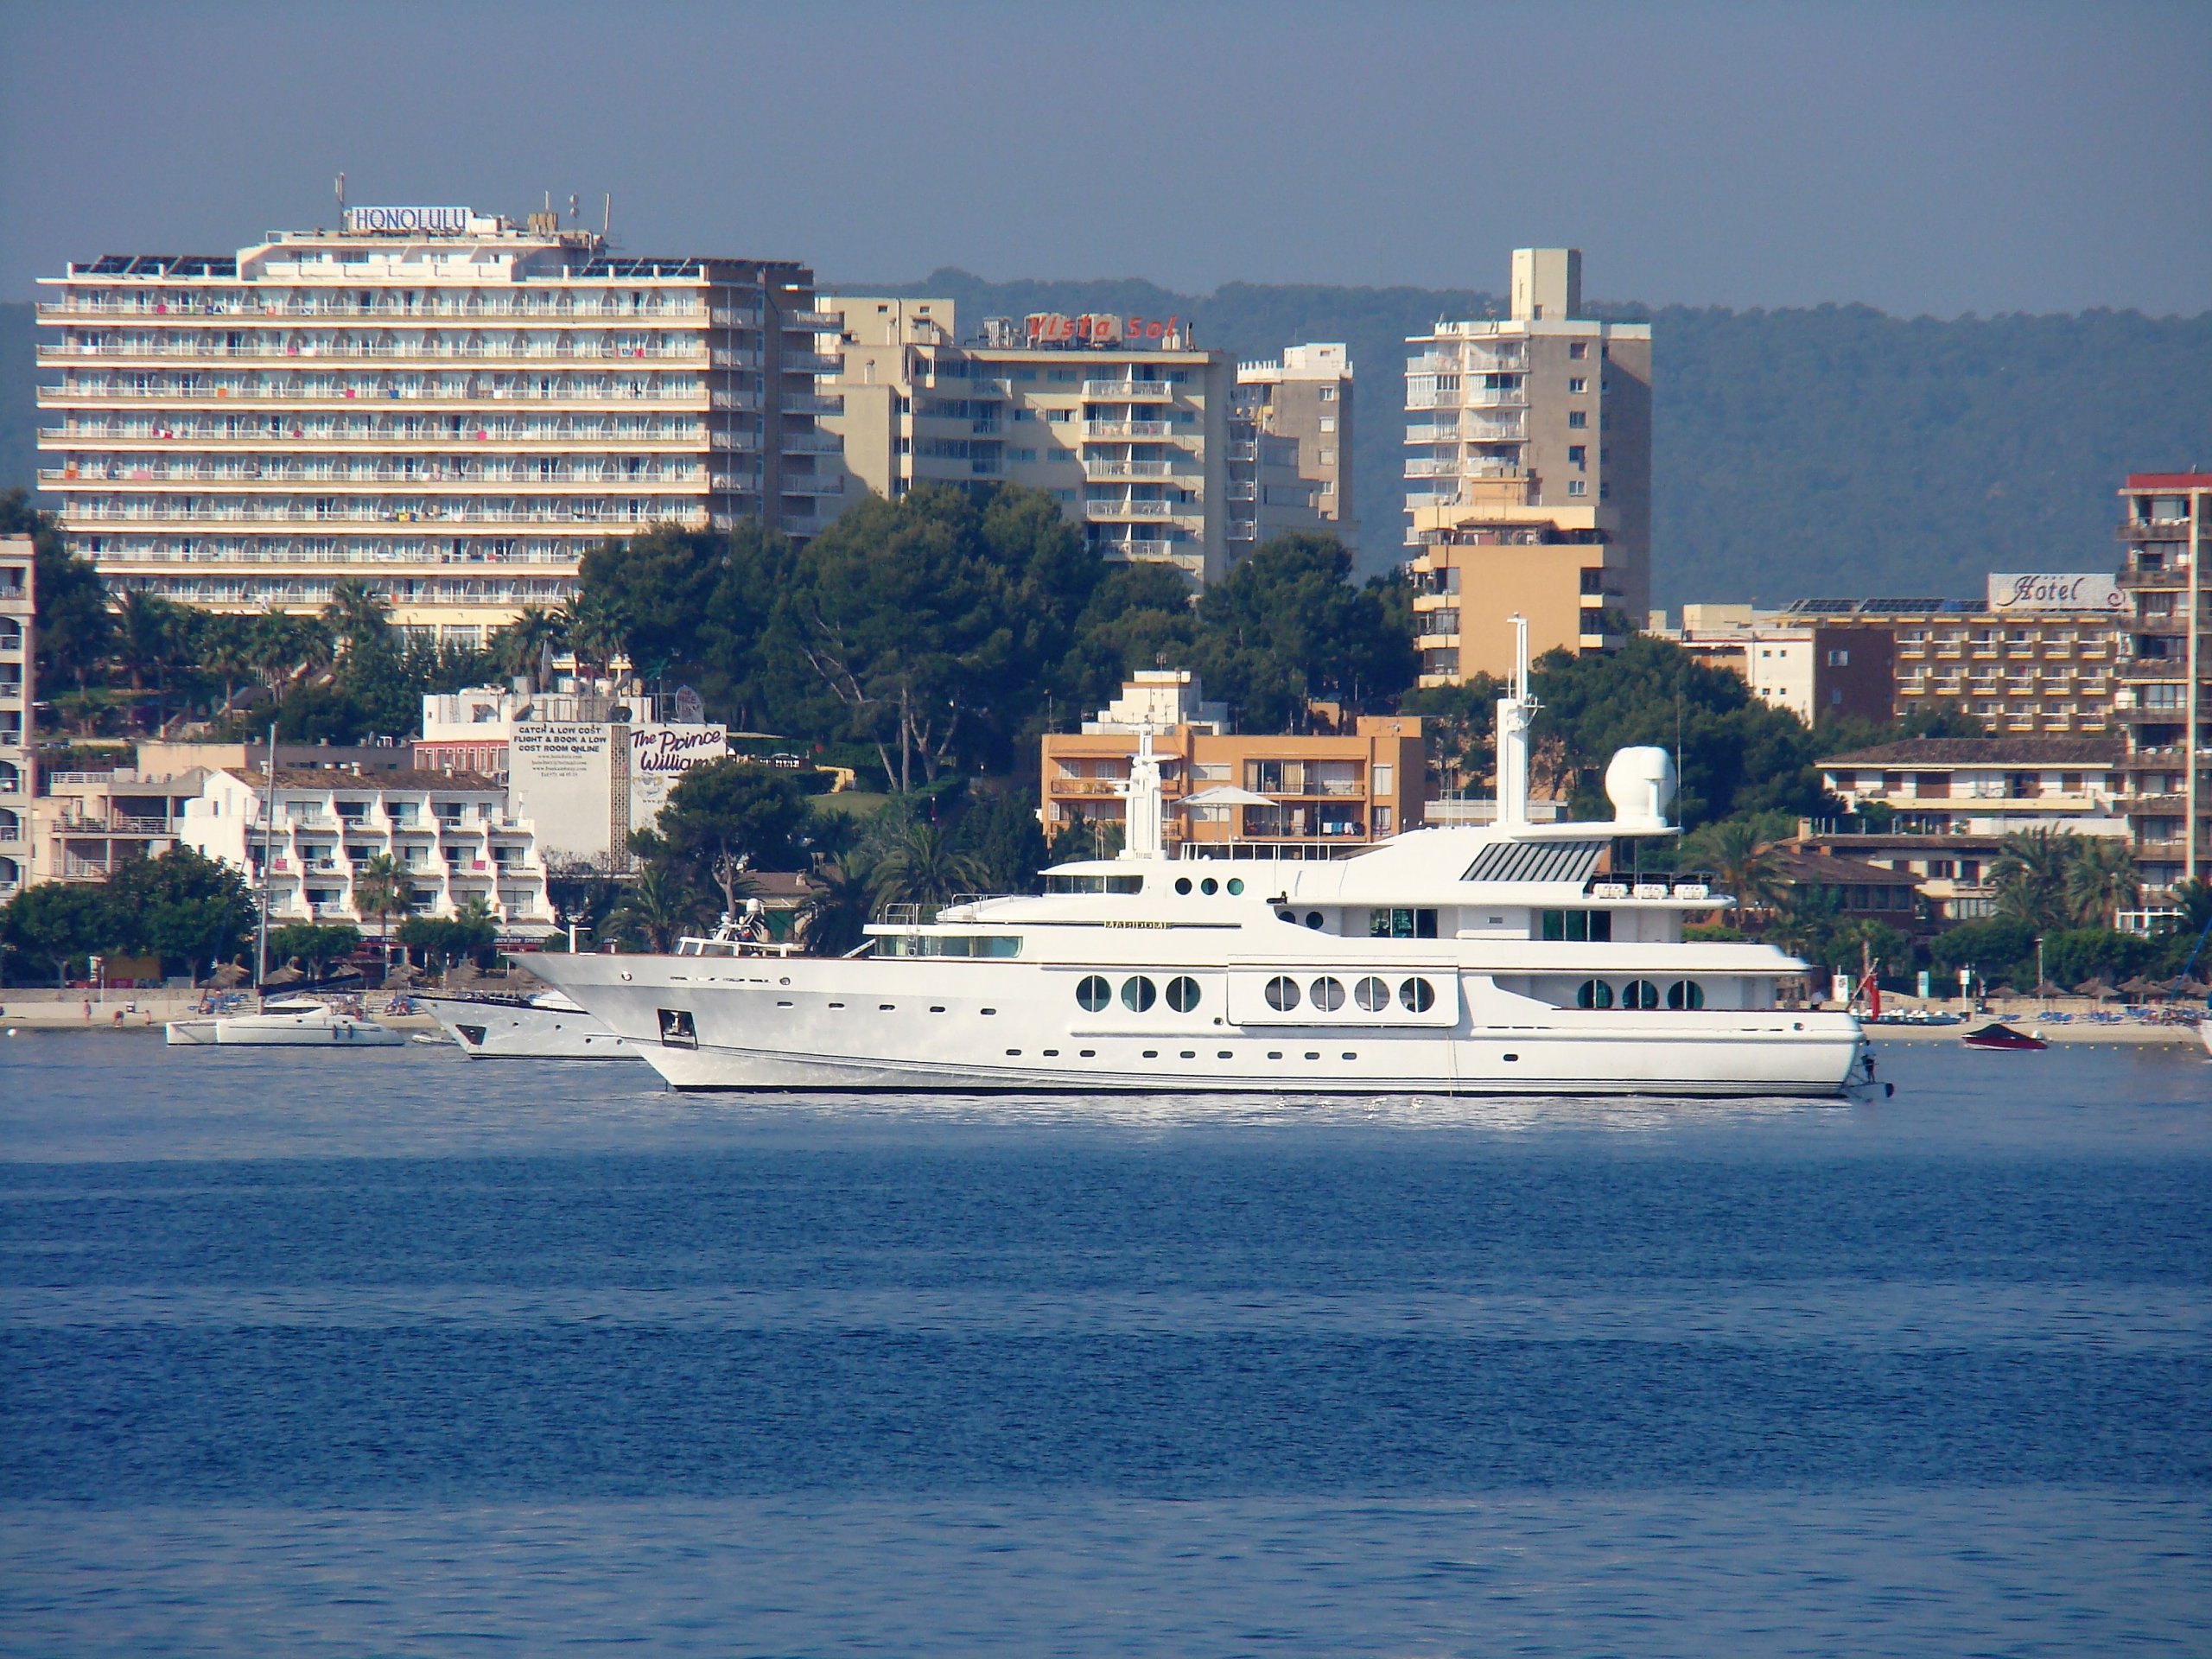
[
  {"x": 659, "y": 906},
  {"x": 383, "y": 889},
  {"x": 1287, "y": 628},
  {"x": 1003, "y": 839},
  {"x": 315, "y": 946},
  {"x": 833, "y": 920},
  {"x": 520, "y": 646},
  {"x": 2030, "y": 876},
  {"x": 188, "y": 910},
  {"x": 921, "y": 865},
  {"x": 1740, "y": 852},
  {"x": 357, "y": 615},
  {"x": 57, "y": 922},
  {"x": 2001, "y": 948},
  {"x": 727, "y": 809},
  {"x": 70, "y": 618},
  {"x": 2102, "y": 881}
]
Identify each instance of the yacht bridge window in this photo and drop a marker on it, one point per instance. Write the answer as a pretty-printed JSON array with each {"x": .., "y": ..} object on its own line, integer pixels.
[
  {"x": 1576, "y": 925},
  {"x": 1094, "y": 884},
  {"x": 949, "y": 944},
  {"x": 1416, "y": 924}
]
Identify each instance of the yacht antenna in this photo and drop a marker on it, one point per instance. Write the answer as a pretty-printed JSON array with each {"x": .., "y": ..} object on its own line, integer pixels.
[
  {"x": 1513, "y": 713},
  {"x": 1145, "y": 836},
  {"x": 268, "y": 857}
]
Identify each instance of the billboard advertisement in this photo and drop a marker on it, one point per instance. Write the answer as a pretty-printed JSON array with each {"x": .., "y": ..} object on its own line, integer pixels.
[{"x": 582, "y": 798}]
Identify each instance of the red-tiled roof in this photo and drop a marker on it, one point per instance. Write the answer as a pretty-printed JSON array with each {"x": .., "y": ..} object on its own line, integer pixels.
[{"x": 1984, "y": 752}]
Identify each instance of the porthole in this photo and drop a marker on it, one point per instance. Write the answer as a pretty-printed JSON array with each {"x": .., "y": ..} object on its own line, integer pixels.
[
  {"x": 1312, "y": 1053},
  {"x": 1685, "y": 994},
  {"x": 1594, "y": 994},
  {"x": 1138, "y": 993},
  {"x": 1282, "y": 993},
  {"x": 1639, "y": 994},
  {"x": 1152, "y": 1053},
  {"x": 886, "y": 1008},
  {"x": 1013, "y": 1053},
  {"x": 1372, "y": 995},
  {"x": 1183, "y": 885},
  {"x": 937, "y": 1007},
  {"x": 1209, "y": 886},
  {"x": 1314, "y": 919},
  {"x": 1274, "y": 1053},
  {"x": 1052, "y": 1053},
  {"x": 783, "y": 1003},
  {"x": 1511, "y": 1058},
  {"x": 1093, "y": 993},
  {"x": 1224, "y": 1054},
  {"x": 1284, "y": 916},
  {"x": 1349, "y": 1055},
  {"x": 1189, "y": 1054},
  {"x": 1235, "y": 885},
  {"x": 1182, "y": 993},
  {"x": 1087, "y": 1054},
  {"x": 1418, "y": 995},
  {"x": 1328, "y": 995}
]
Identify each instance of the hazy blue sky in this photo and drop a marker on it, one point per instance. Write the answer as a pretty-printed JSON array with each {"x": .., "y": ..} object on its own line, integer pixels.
[{"x": 1923, "y": 158}]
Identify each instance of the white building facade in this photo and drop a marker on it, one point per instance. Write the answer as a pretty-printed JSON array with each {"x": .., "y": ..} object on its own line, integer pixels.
[
  {"x": 446, "y": 405},
  {"x": 453, "y": 834},
  {"x": 18, "y": 594}
]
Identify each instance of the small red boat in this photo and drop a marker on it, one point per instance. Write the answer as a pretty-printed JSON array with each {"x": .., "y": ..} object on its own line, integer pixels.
[{"x": 1998, "y": 1035}]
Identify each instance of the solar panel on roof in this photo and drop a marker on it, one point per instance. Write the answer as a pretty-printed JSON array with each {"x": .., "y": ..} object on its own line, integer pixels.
[
  {"x": 1535, "y": 861},
  {"x": 1824, "y": 607},
  {"x": 1903, "y": 605}
]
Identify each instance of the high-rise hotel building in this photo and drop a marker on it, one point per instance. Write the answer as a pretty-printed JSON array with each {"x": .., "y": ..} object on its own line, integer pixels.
[
  {"x": 1529, "y": 476},
  {"x": 1123, "y": 420},
  {"x": 1290, "y": 448},
  {"x": 449, "y": 406}
]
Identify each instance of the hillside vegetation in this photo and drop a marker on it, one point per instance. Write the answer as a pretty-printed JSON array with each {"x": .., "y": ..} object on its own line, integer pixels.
[{"x": 1836, "y": 450}]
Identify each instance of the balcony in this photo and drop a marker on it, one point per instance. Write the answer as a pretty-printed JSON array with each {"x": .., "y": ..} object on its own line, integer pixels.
[
  {"x": 1128, "y": 391},
  {"x": 1132, "y": 508},
  {"x": 1137, "y": 549},
  {"x": 1130, "y": 430},
  {"x": 1130, "y": 469},
  {"x": 795, "y": 403},
  {"x": 2154, "y": 529}
]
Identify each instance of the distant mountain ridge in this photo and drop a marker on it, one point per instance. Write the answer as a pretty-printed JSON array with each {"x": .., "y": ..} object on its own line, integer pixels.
[{"x": 1834, "y": 450}]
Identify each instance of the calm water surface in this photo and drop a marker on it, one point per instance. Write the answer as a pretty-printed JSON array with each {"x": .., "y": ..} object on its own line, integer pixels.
[{"x": 390, "y": 1352}]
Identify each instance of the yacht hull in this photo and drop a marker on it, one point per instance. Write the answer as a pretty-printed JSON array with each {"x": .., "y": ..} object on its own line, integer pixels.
[
  {"x": 807, "y": 1025},
  {"x": 496, "y": 1030}
]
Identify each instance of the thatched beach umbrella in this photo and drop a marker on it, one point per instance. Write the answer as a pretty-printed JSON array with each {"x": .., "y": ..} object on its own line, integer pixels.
[
  {"x": 287, "y": 975},
  {"x": 229, "y": 975},
  {"x": 2138, "y": 986},
  {"x": 2094, "y": 987}
]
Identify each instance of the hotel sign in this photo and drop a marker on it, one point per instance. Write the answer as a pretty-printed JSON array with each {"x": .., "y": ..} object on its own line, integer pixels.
[
  {"x": 2042, "y": 591},
  {"x": 1094, "y": 328},
  {"x": 408, "y": 221}
]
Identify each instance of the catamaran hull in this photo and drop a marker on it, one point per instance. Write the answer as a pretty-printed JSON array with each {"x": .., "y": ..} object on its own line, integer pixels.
[{"x": 849, "y": 1027}]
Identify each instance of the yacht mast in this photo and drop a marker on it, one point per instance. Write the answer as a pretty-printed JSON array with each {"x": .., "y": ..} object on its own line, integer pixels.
[{"x": 1514, "y": 710}]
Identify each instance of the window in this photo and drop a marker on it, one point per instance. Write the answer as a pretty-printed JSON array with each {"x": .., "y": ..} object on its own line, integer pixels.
[
  {"x": 1578, "y": 385},
  {"x": 1578, "y": 349},
  {"x": 1838, "y": 659},
  {"x": 1594, "y": 994},
  {"x": 676, "y": 1030},
  {"x": 1576, "y": 487},
  {"x": 1314, "y": 920},
  {"x": 1328, "y": 422},
  {"x": 1640, "y": 994},
  {"x": 1327, "y": 995},
  {"x": 1578, "y": 420},
  {"x": 1401, "y": 924},
  {"x": 1578, "y": 454},
  {"x": 1282, "y": 993},
  {"x": 1372, "y": 995},
  {"x": 1138, "y": 993},
  {"x": 1093, "y": 993},
  {"x": 1685, "y": 994},
  {"x": 1576, "y": 925},
  {"x": 1417, "y": 996},
  {"x": 1326, "y": 394},
  {"x": 1182, "y": 993}
]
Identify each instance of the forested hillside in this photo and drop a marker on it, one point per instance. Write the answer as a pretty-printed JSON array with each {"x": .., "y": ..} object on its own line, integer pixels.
[{"x": 1836, "y": 450}]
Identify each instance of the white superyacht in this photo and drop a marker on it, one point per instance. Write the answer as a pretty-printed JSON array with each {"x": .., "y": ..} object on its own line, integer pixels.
[{"x": 1500, "y": 959}]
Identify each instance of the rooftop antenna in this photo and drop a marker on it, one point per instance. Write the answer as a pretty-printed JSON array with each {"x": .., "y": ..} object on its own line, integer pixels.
[
  {"x": 341, "y": 197},
  {"x": 606, "y": 216},
  {"x": 572, "y": 207}
]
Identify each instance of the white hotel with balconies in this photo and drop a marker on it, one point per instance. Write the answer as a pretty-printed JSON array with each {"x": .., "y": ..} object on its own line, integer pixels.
[{"x": 449, "y": 406}]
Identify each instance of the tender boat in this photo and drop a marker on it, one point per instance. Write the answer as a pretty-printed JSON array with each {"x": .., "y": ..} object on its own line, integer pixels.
[
  {"x": 1514, "y": 958},
  {"x": 2204, "y": 1035},
  {"x": 548, "y": 1026},
  {"x": 2000, "y": 1036},
  {"x": 299, "y": 1023}
]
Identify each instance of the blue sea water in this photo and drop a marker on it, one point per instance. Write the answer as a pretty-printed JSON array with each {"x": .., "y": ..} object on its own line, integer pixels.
[{"x": 390, "y": 1352}]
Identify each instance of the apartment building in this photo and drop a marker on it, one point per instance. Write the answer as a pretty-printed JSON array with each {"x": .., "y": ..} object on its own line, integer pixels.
[
  {"x": 1124, "y": 421},
  {"x": 2036, "y": 657},
  {"x": 2158, "y": 705},
  {"x": 18, "y": 690},
  {"x": 1815, "y": 673},
  {"x": 452, "y": 834},
  {"x": 1529, "y": 476},
  {"x": 1942, "y": 807},
  {"x": 441, "y": 403},
  {"x": 1237, "y": 796},
  {"x": 1290, "y": 448},
  {"x": 86, "y": 825}
]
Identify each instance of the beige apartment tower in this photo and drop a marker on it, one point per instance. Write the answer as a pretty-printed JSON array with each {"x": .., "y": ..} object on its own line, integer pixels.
[
  {"x": 1290, "y": 448},
  {"x": 1529, "y": 476},
  {"x": 446, "y": 405},
  {"x": 1123, "y": 420}
]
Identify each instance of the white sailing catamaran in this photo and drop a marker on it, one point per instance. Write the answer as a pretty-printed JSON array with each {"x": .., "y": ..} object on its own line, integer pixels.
[{"x": 1512, "y": 959}]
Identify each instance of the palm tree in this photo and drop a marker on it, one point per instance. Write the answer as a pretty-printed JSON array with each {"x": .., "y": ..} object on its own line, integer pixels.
[
  {"x": 383, "y": 889},
  {"x": 924, "y": 866},
  {"x": 1747, "y": 867},
  {"x": 226, "y": 652},
  {"x": 520, "y": 645},
  {"x": 357, "y": 614},
  {"x": 658, "y": 907},
  {"x": 147, "y": 638},
  {"x": 2101, "y": 879},
  {"x": 2030, "y": 876},
  {"x": 836, "y": 914}
]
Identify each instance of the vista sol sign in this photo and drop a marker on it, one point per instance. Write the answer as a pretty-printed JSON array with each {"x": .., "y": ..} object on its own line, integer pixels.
[
  {"x": 406, "y": 221},
  {"x": 2043, "y": 591},
  {"x": 1096, "y": 328}
]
